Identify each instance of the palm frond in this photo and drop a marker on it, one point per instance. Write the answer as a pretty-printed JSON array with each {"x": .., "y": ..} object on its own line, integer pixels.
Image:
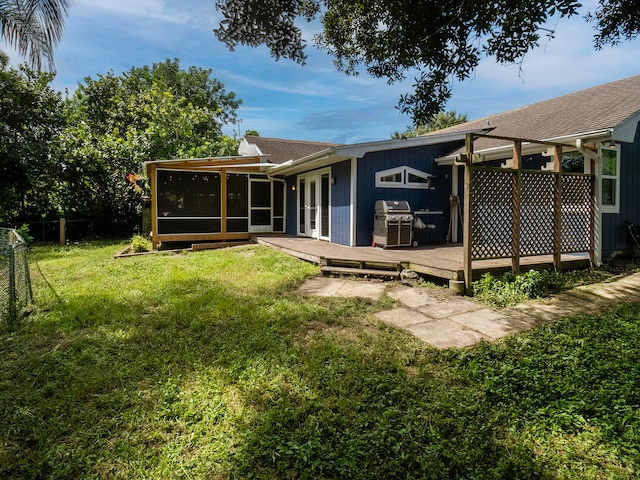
[{"x": 33, "y": 28}]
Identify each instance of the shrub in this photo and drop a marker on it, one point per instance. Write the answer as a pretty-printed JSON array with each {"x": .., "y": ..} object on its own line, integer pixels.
[
  {"x": 23, "y": 231},
  {"x": 512, "y": 288},
  {"x": 141, "y": 244}
]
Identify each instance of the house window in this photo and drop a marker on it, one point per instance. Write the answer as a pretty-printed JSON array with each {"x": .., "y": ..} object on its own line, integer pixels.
[
  {"x": 403, "y": 177},
  {"x": 610, "y": 192}
]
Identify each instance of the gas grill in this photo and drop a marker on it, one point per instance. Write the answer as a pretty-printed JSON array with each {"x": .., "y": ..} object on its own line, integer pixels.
[{"x": 393, "y": 224}]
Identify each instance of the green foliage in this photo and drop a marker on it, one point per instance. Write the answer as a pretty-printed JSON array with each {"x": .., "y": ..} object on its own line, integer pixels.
[
  {"x": 23, "y": 231},
  {"x": 437, "y": 41},
  {"x": 141, "y": 244},
  {"x": 210, "y": 365},
  {"x": 33, "y": 28},
  {"x": 30, "y": 121},
  {"x": 511, "y": 289},
  {"x": 72, "y": 157},
  {"x": 438, "y": 122}
]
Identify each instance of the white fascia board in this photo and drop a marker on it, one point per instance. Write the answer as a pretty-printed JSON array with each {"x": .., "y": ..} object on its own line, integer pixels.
[
  {"x": 312, "y": 162},
  {"x": 359, "y": 150}
]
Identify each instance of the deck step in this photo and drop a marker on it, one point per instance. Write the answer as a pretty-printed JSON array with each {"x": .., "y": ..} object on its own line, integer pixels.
[
  {"x": 360, "y": 264},
  {"x": 328, "y": 269}
]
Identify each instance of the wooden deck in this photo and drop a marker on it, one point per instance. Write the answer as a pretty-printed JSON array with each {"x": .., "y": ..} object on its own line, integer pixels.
[{"x": 440, "y": 261}]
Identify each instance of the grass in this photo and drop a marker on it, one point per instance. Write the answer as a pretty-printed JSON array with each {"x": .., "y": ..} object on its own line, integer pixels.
[
  {"x": 209, "y": 365},
  {"x": 511, "y": 289}
]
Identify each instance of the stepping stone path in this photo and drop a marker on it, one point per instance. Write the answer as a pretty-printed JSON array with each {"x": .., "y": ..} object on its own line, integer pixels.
[{"x": 448, "y": 321}]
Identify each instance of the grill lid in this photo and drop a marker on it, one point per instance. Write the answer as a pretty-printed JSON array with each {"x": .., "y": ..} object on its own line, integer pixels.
[{"x": 392, "y": 206}]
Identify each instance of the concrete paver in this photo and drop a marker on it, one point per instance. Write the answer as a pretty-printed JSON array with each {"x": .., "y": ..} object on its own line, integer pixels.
[
  {"x": 447, "y": 321},
  {"x": 490, "y": 323},
  {"x": 338, "y": 287},
  {"x": 401, "y": 317},
  {"x": 451, "y": 306},
  {"x": 444, "y": 333},
  {"x": 415, "y": 297}
]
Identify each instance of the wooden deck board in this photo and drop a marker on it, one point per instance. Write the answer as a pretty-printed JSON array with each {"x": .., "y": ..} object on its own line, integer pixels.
[{"x": 440, "y": 261}]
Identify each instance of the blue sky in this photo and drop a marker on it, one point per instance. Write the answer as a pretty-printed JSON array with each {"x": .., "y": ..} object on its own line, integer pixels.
[{"x": 315, "y": 102}]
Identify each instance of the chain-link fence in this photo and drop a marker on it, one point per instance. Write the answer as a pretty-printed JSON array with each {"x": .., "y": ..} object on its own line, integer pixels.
[{"x": 15, "y": 283}]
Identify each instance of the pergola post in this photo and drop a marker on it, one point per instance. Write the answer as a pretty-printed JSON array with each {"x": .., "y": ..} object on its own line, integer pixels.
[
  {"x": 517, "y": 204},
  {"x": 557, "y": 221},
  {"x": 151, "y": 173},
  {"x": 467, "y": 242}
]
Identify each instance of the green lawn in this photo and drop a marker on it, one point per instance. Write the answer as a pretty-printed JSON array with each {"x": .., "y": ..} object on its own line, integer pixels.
[{"x": 209, "y": 365}]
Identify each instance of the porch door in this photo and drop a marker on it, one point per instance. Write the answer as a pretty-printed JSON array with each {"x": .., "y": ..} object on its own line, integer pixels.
[
  {"x": 314, "y": 206},
  {"x": 260, "y": 205}
]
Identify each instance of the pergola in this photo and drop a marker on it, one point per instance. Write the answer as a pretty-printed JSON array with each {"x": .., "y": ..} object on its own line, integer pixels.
[{"x": 510, "y": 212}]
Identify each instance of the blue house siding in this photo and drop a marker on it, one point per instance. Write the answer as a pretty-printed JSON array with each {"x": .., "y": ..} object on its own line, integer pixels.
[
  {"x": 340, "y": 203},
  {"x": 420, "y": 158},
  {"x": 614, "y": 239}
]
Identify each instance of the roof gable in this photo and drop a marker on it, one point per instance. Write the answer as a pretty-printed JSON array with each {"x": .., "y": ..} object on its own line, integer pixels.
[{"x": 280, "y": 150}]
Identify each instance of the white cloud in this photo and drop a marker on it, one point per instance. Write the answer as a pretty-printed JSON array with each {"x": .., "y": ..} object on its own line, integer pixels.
[
  {"x": 566, "y": 63},
  {"x": 155, "y": 9}
]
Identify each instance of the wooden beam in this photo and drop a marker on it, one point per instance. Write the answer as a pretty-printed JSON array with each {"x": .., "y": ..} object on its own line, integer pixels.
[
  {"x": 592, "y": 216},
  {"x": 468, "y": 200},
  {"x": 523, "y": 140},
  {"x": 517, "y": 206},
  {"x": 557, "y": 222},
  {"x": 202, "y": 237},
  {"x": 151, "y": 173},
  {"x": 223, "y": 201}
]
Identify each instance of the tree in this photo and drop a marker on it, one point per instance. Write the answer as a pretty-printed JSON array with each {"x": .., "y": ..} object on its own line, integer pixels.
[
  {"x": 441, "y": 40},
  {"x": 30, "y": 121},
  {"x": 116, "y": 122},
  {"x": 33, "y": 28},
  {"x": 438, "y": 122}
]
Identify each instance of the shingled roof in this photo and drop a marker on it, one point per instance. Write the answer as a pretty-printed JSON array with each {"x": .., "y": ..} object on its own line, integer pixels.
[
  {"x": 281, "y": 150},
  {"x": 582, "y": 112}
]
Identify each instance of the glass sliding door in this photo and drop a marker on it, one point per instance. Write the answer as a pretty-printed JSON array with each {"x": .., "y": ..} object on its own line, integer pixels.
[
  {"x": 314, "y": 205},
  {"x": 302, "y": 207}
]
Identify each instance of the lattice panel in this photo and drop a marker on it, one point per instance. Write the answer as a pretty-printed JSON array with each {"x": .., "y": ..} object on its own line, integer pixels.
[
  {"x": 536, "y": 215},
  {"x": 577, "y": 212},
  {"x": 492, "y": 213}
]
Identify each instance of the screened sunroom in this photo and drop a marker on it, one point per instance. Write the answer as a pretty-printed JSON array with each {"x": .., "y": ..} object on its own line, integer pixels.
[{"x": 214, "y": 199}]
